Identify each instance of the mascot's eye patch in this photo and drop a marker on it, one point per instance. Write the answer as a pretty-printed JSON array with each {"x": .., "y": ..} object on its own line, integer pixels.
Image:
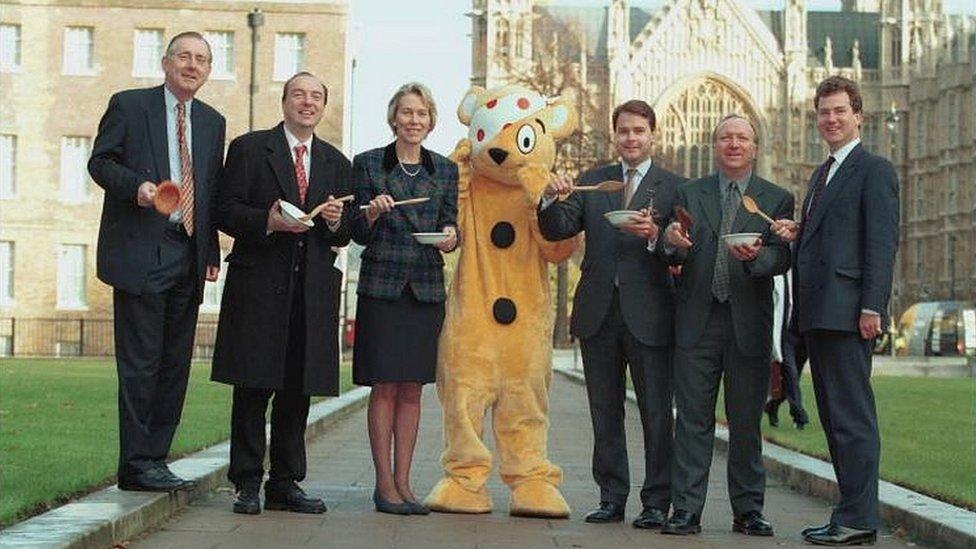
[
  {"x": 526, "y": 139},
  {"x": 502, "y": 234},
  {"x": 504, "y": 310}
]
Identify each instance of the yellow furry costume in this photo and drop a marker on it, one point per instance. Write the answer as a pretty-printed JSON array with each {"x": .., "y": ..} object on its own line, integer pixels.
[{"x": 496, "y": 344}]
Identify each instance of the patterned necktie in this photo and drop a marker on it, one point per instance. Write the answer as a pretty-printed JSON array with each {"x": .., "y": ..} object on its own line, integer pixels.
[
  {"x": 720, "y": 278},
  {"x": 300, "y": 174},
  {"x": 186, "y": 168},
  {"x": 819, "y": 187},
  {"x": 629, "y": 185}
]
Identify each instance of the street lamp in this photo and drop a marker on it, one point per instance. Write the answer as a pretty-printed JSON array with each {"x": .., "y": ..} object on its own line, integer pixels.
[
  {"x": 255, "y": 19},
  {"x": 891, "y": 121}
]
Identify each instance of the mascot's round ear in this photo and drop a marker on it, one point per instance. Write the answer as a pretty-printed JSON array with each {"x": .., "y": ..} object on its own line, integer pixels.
[
  {"x": 561, "y": 118},
  {"x": 472, "y": 100}
]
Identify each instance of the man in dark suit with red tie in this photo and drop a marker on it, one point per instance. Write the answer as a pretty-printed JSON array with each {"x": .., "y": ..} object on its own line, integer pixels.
[
  {"x": 843, "y": 263},
  {"x": 279, "y": 317},
  {"x": 156, "y": 263}
]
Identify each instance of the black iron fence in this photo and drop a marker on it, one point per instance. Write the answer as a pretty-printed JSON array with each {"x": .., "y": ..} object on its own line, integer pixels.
[{"x": 78, "y": 337}]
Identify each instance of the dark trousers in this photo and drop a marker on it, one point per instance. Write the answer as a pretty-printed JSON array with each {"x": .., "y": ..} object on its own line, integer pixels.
[
  {"x": 605, "y": 359},
  {"x": 697, "y": 373},
  {"x": 289, "y": 413},
  {"x": 840, "y": 363},
  {"x": 153, "y": 346},
  {"x": 794, "y": 357}
]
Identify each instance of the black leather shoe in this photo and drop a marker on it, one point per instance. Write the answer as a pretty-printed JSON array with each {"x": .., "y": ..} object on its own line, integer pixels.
[
  {"x": 837, "y": 535},
  {"x": 800, "y": 418},
  {"x": 186, "y": 484},
  {"x": 386, "y": 506},
  {"x": 651, "y": 519},
  {"x": 151, "y": 480},
  {"x": 807, "y": 531},
  {"x": 772, "y": 410},
  {"x": 248, "y": 501},
  {"x": 606, "y": 512},
  {"x": 291, "y": 498},
  {"x": 752, "y": 524},
  {"x": 417, "y": 508},
  {"x": 681, "y": 523}
]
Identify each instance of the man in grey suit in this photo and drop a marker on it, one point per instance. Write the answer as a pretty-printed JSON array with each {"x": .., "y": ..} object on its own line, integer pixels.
[
  {"x": 843, "y": 265},
  {"x": 623, "y": 311},
  {"x": 724, "y": 328}
]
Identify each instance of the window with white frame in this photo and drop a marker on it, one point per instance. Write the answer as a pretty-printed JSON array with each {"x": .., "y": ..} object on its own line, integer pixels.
[
  {"x": 222, "y": 47},
  {"x": 953, "y": 203},
  {"x": 212, "y": 291},
  {"x": 79, "y": 51},
  {"x": 289, "y": 55},
  {"x": 147, "y": 51},
  {"x": 6, "y": 272},
  {"x": 8, "y": 166},
  {"x": 75, "y": 183},
  {"x": 71, "y": 276},
  {"x": 9, "y": 48}
]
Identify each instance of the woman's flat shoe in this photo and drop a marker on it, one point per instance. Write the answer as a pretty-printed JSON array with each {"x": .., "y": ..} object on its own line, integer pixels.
[
  {"x": 384, "y": 506},
  {"x": 417, "y": 508}
]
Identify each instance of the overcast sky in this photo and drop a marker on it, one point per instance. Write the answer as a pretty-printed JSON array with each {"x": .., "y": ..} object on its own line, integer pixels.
[{"x": 397, "y": 42}]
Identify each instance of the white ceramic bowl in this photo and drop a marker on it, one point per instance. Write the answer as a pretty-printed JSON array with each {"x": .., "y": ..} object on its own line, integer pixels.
[
  {"x": 620, "y": 217},
  {"x": 734, "y": 239},
  {"x": 294, "y": 212},
  {"x": 430, "y": 238}
]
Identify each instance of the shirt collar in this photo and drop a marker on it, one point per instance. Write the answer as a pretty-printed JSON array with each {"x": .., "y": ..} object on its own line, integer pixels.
[
  {"x": 842, "y": 152},
  {"x": 641, "y": 168},
  {"x": 390, "y": 159},
  {"x": 294, "y": 142},
  {"x": 724, "y": 180},
  {"x": 171, "y": 101}
]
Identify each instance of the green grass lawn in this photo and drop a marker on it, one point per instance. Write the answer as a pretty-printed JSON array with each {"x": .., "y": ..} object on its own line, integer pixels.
[
  {"x": 59, "y": 428},
  {"x": 928, "y": 434}
]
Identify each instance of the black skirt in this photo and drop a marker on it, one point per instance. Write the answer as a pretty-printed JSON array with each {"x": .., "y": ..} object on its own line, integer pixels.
[{"x": 396, "y": 340}]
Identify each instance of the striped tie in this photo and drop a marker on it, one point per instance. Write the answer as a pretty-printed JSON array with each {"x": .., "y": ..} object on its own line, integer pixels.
[{"x": 186, "y": 168}]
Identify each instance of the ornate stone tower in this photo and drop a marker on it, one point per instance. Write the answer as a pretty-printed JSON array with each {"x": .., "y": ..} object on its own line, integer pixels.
[
  {"x": 618, "y": 50},
  {"x": 503, "y": 30}
]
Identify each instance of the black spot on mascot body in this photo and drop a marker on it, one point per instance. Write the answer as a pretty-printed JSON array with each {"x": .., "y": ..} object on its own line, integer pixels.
[
  {"x": 502, "y": 234},
  {"x": 504, "y": 310}
]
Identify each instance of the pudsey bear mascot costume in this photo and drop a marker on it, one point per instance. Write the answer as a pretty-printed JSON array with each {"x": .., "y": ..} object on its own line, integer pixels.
[{"x": 496, "y": 344}]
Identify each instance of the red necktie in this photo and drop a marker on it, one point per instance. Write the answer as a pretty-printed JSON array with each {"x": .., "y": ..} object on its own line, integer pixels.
[
  {"x": 300, "y": 174},
  {"x": 186, "y": 167}
]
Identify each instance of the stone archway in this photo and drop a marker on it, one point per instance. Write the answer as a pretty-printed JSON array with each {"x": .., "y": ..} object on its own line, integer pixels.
[{"x": 687, "y": 121}]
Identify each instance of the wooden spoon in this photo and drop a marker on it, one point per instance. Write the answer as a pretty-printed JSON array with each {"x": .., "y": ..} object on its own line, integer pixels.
[
  {"x": 603, "y": 186},
  {"x": 753, "y": 208},
  {"x": 402, "y": 202},
  {"x": 318, "y": 209}
]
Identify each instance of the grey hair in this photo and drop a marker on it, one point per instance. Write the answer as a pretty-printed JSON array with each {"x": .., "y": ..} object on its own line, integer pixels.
[
  {"x": 171, "y": 48},
  {"x": 736, "y": 116},
  {"x": 411, "y": 87}
]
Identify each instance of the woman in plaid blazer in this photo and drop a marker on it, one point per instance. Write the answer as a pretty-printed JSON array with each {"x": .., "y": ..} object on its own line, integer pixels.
[{"x": 401, "y": 295}]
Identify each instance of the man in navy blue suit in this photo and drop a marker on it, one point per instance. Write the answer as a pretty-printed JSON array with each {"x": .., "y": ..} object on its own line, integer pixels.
[
  {"x": 156, "y": 264},
  {"x": 843, "y": 263}
]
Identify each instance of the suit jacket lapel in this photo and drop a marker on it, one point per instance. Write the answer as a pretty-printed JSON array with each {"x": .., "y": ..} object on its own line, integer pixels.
[
  {"x": 834, "y": 187},
  {"x": 645, "y": 190},
  {"x": 156, "y": 124},
  {"x": 281, "y": 163},
  {"x": 200, "y": 155},
  {"x": 711, "y": 202},
  {"x": 322, "y": 176},
  {"x": 755, "y": 190}
]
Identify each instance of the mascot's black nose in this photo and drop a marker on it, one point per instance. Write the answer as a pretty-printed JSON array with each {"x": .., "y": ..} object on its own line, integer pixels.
[{"x": 498, "y": 155}]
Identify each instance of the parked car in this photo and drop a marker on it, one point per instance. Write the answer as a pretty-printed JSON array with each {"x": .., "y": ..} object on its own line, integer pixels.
[{"x": 933, "y": 328}]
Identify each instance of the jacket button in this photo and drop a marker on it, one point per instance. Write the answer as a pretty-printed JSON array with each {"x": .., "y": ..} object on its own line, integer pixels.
[
  {"x": 297, "y": 268},
  {"x": 301, "y": 244}
]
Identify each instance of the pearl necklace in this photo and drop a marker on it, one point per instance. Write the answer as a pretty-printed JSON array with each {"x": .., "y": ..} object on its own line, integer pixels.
[{"x": 415, "y": 172}]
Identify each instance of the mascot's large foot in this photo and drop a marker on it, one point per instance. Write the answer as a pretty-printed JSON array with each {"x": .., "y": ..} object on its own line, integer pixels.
[
  {"x": 450, "y": 497},
  {"x": 539, "y": 499}
]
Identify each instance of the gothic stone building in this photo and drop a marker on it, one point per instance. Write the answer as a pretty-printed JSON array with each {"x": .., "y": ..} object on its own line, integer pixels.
[{"x": 696, "y": 60}]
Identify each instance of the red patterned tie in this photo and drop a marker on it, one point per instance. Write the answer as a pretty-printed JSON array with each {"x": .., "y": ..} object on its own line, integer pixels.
[
  {"x": 300, "y": 174},
  {"x": 186, "y": 168}
]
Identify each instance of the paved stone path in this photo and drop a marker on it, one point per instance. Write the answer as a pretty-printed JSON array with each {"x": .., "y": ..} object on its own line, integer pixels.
[{"x": 340, "y": 470}]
